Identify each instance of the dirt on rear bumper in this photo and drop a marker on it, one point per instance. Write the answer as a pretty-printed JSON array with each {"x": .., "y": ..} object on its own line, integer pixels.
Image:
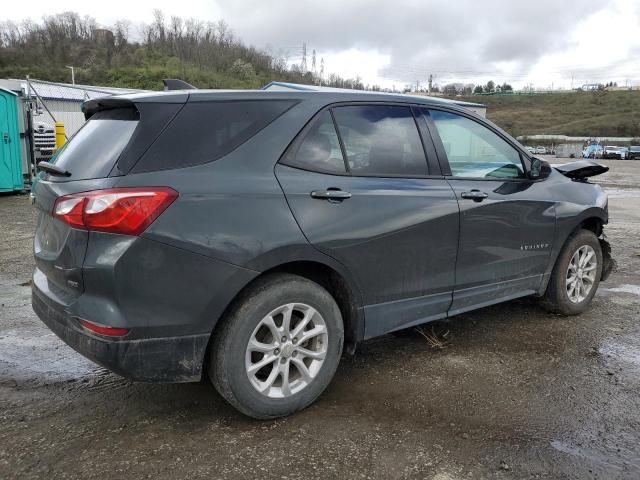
[{"x": 164, "y": 360}]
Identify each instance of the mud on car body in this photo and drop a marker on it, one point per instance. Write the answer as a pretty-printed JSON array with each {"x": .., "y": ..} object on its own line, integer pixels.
[{"x": 252, "y": 236}]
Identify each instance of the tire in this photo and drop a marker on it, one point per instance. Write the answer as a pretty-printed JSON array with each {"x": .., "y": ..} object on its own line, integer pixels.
[
  {"x": 232, "y": 363},
  {"x": 559, "y": 297}
]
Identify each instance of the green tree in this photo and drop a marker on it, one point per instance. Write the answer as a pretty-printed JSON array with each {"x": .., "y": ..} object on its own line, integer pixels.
[{"x": 490, "y": 87}]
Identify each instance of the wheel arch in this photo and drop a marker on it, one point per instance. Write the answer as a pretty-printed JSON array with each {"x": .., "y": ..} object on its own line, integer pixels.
[
  {"x": 592, "y": 220},
  {"x": 336, "y": 282}
]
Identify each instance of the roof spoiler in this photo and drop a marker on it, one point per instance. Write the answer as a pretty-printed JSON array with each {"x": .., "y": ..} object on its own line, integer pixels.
[
  {"x": 177, "y": 84},
  {"x": 89, "y": 107}
]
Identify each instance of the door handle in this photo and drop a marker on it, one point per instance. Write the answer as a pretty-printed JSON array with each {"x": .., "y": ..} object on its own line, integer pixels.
[
  {"x": 331, "y": 194},
  {"x": 6, "y": 137},
  {"x": 475, "y": 195}
]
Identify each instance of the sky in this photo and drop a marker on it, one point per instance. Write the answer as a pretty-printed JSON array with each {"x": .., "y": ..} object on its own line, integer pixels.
[{"x": 394, "y": 43}]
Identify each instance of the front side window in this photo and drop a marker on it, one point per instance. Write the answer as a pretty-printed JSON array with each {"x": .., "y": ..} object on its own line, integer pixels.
[
  {"x": 474, "y": 151},
  {"x": 381, "y": 140},
  {"x": 318, "y": 149}
]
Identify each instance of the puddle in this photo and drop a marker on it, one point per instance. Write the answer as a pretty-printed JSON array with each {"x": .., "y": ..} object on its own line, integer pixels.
[
  {"x": 620, "y": 354},
  {"x": 633, "y": 289},
  {"x": 40, "y": 356},
  {"x": 604, "y": 458}
]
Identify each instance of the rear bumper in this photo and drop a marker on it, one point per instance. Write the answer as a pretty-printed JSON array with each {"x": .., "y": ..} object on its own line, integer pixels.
[{"x": 172, "y": 359}]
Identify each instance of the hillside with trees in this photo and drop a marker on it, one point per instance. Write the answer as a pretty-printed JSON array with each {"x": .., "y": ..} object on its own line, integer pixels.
[
  {"x": 206, "y": 54},
  {"x": 209, "y": 55},
  {"x": 593, "y": 114}
]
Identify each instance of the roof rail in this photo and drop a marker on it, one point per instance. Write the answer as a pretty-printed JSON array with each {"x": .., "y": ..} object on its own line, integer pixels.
[{"x": 177, "y": 84}]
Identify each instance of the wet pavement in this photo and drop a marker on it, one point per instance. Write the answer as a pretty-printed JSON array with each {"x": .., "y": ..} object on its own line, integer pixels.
[{"x": 514, "y": 393}]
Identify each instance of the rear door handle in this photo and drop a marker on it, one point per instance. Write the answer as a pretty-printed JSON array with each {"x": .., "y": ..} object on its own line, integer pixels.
[
  {"x": 331, "y": 194},
  {"x": 475, "y": 195}
]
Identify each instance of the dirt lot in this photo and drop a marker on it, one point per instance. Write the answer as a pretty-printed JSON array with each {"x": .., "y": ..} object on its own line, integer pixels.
[{"x": 518, "y": 393}]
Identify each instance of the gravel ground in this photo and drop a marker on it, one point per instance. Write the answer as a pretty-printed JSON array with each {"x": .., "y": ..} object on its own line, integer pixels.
[{"x": 516, "y": 393}]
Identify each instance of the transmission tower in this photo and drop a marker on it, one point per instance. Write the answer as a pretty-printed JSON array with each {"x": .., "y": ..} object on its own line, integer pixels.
[{"x": 303, "y": 65}]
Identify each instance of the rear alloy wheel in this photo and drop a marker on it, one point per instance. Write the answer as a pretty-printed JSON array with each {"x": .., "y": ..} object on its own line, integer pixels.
[
  {"x": 278, "y": 347},
  {"x": 286, "y": 350},
  {"x": 576, "y": 275}
]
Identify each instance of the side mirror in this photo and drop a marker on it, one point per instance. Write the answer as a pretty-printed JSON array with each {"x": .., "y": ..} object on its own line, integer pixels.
[{"x": 539, "y": 169}]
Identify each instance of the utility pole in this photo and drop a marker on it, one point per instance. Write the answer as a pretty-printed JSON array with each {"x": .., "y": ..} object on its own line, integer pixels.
[
  {"x": 313, "y": 61},
  {"x": 430, "y": 82},
  {"x": 73, "y": 75}
]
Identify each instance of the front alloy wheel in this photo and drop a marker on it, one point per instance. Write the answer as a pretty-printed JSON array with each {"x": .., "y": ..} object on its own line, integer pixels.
[{"x": 581, "y": 273}]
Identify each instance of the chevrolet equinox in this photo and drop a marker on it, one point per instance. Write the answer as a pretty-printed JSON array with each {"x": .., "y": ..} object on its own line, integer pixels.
[{"x": 251, "y": 236}]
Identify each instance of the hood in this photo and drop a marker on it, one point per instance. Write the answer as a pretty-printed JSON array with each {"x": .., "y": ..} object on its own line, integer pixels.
[{"x": 581, "y": 169}]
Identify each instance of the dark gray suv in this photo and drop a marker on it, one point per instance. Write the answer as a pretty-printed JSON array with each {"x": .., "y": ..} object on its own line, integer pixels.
[{"x": 251, "y": 236}]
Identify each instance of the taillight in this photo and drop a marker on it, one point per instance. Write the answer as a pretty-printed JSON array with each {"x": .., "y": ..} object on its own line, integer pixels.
[
  {"x": 128, "y": 211},
  {"x": 103, "y": 329}
]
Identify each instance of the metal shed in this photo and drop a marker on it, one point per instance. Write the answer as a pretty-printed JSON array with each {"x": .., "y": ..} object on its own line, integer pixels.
[{"x": 10, "y": 159}]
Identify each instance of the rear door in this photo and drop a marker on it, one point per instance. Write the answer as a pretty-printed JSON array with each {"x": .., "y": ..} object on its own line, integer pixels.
[
  {"x": 360, "y": 186},
  {"x": 89, "y": 158},
  {"x": 507, "y": 221}
]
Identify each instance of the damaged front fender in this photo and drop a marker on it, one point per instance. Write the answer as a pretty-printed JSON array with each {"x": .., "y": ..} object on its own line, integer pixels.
[{"x": 608, "y": 262}]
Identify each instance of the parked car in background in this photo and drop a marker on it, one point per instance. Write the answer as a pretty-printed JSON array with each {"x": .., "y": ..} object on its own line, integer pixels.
[
  {"x": 593, "y": 151},
  {"x": 624, "y": 153},
  {"x": 614, "y": 152},
  {"x": 634, "y": 152},
  {"x": 250, "y": 236},
  {"x": 540, "y": 150},
  {"x": 531, "y": 150}
]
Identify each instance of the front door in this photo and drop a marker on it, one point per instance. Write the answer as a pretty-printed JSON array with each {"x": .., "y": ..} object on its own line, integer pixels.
[
  {"x": 507, "y": 223},
  {"x": 365, "y": 198}
]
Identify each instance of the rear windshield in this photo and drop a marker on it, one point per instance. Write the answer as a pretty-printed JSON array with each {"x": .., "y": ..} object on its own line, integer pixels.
[
  {"x": 94, "y": 149},
  {"x": 206, "y": 131}
]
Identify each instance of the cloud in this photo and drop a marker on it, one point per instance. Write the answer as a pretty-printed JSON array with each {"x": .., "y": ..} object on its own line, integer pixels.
[{"x": 464, "y": 37}]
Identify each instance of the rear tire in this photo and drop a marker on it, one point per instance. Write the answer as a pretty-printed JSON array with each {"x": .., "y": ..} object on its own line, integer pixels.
[
  {"x": 576, "y": 275},
  {"x": 296, "y": 366}
]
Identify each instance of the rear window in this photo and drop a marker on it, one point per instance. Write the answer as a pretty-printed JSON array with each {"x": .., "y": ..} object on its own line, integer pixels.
[
  {"x": 94, "y": 149},
  {"x": 206, "y": 131}
]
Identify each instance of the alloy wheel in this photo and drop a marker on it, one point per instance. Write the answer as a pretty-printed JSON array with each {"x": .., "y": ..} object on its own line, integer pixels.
[
  {"x": 286, "y": 350},
  {"x": 581, "y": 273}
]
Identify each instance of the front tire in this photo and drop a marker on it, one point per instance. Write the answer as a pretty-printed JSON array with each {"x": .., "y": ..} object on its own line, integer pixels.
[
  {"x": 278, "y": 347},
  {"x": 576, "y": 275}
]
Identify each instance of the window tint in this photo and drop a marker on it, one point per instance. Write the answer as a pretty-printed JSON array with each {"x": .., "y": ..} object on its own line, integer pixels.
[
  {"x": 381, "y": 140},
  {"x": 206, "y": 131},
  {"x": 318, "y": 149},
  {"x": 475, "y": 151},
  {"x": 94, "y": 149}
]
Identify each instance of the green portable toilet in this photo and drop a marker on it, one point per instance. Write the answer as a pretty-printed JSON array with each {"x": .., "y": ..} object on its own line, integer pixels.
[{"x": 10, "y": 162}]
